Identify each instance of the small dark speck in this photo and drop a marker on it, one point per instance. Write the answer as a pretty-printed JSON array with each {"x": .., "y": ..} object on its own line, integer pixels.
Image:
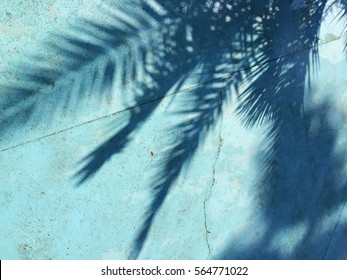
[
  {"x": 152, "y": 154},
  {"x": 8, "y": 14}
]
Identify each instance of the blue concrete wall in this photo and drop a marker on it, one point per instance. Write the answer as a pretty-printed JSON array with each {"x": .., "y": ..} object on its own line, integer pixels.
[{"x": 173, "y": 129}]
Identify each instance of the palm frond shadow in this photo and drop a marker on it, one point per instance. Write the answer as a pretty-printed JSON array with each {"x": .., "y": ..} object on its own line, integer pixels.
[
  {"x": 152, "y": 47},
  {"x": 302, "y": 186},
  {"x": 84, "y": 62},
  {"x": 303, "y": 179}
]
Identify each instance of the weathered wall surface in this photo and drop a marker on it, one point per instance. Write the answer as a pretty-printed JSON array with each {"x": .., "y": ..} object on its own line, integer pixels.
[{"x": 142, "y": 129}]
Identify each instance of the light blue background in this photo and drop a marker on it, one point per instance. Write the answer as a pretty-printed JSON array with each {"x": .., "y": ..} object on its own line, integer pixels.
[{"x": 218, "y": 206}]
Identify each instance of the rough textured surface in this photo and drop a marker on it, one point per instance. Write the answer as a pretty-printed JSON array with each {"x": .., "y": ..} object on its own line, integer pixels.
[{"x": 102, "y": 157}]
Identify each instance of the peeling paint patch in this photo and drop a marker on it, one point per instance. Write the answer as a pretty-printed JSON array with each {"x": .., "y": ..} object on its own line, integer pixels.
[
  {"x": 333, "y": 51},
  {"x": 330, "y": 37}
]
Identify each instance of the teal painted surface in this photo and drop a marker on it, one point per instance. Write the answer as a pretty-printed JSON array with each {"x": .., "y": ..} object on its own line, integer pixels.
[{"x": 166, "y": 131}]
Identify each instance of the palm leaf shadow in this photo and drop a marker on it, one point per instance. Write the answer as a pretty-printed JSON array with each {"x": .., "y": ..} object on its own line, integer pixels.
[
  {"x": 303, "y": 179},
  {"x": 87, "y": 62},
  {"x": 206, "y": 102},
  {"x": 257, "y": 108}
]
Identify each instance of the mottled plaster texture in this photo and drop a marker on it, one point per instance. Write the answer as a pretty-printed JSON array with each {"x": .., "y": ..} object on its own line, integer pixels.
[{"x": 150, "y": 129}]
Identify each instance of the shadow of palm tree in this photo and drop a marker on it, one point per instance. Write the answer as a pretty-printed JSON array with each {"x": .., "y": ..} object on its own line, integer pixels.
[
  {"x": 151, "y": 48},
  {"x": 303, "y": 176}
]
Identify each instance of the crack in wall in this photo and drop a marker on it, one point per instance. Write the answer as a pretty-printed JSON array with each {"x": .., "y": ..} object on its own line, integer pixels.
[
  {"x": 208, "y": 195},
  {"x": 335, "y": 228},
  {"x": 223, "y": 77}
]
